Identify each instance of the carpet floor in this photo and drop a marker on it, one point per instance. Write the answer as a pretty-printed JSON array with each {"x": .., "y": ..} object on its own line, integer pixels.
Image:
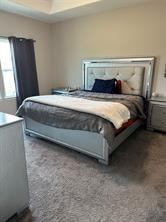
[{"x": 66, "y": 186}]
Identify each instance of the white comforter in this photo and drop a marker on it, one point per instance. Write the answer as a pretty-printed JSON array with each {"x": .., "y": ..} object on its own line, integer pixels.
[{"x": 114, "y": 112}]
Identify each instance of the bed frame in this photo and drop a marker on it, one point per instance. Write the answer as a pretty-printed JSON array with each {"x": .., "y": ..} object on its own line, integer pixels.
[{"x": 136, "y": 72}]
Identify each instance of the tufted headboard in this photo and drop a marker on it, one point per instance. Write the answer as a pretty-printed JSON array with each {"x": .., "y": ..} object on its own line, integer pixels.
[{"x": 136, "y": 72}]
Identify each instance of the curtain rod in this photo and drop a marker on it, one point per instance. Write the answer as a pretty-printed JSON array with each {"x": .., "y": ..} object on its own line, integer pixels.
[{"x": 6, "y": 37}]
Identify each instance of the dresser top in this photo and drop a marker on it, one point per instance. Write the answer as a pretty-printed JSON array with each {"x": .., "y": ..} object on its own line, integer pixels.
[{"x": 7, "y": 119}]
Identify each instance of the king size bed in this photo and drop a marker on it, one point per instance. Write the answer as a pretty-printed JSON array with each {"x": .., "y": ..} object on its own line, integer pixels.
[{"x": 94, "y": 123}]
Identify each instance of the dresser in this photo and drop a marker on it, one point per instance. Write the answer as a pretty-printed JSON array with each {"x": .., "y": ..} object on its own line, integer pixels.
[
  {"x": 14, "y": 195},
  {"x": 157, "y": 114}
]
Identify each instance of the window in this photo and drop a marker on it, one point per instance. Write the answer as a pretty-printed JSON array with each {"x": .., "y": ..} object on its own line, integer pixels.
[{"x": 7, "y": 84}]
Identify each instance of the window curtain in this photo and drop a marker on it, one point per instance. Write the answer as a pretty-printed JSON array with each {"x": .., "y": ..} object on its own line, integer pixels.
[{"x": 25, "y": 72}]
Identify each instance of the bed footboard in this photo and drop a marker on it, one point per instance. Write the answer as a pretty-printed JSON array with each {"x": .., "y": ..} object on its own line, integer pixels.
[{"x": 90, "y": 143}]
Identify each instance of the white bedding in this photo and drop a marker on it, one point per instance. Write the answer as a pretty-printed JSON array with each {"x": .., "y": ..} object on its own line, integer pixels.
[{"x": 114, "y": 112}]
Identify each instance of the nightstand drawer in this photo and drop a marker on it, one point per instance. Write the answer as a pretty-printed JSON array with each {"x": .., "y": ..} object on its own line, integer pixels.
[
  {"x": 159, "y": 109},
  {"x": 158, "y": 116}
]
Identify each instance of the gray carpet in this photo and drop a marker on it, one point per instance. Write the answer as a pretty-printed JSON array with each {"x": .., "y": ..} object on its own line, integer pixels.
[{"x": 66, "y": 186}]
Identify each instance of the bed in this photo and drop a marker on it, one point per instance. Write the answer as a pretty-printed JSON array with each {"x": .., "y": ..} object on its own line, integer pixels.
[{"x": 88, "y": 133}]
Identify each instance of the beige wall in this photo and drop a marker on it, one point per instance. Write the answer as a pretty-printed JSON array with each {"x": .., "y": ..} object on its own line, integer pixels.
[
  {"x": 11, "y": 24},
  {"x": 60, "y": 47},
  {"x": 128, "y": 32}
]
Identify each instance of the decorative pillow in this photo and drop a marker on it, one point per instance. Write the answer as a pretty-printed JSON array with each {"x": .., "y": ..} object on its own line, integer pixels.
[
  {"x": 105, "y": 86},
  {"x": 119, "y": 87},
  {"x": 125, "y": 88}
]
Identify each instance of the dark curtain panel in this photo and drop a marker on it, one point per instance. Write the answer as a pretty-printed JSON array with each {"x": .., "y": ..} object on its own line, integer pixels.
[{"x": 25, "y": 72}]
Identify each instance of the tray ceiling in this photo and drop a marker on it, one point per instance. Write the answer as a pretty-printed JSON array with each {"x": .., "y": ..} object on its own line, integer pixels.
[{"x": 57, "y": 10}]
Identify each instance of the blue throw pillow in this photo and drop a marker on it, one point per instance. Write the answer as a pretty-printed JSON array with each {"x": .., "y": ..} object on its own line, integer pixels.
[{"x": 105, "y": 86}]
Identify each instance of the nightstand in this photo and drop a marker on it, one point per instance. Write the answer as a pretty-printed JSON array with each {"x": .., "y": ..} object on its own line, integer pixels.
[
  {"x": 157, "y": 114},
  {"x": 64, "y": 90}
]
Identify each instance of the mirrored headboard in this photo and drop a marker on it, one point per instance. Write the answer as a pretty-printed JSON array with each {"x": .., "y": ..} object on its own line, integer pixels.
[{"x": 136, "y": 72}]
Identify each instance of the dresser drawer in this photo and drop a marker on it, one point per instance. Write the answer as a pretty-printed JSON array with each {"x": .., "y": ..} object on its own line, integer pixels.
[{"x": 158, "y": 116}]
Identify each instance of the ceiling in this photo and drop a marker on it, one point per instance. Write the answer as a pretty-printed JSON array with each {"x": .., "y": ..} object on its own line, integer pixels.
[{"x": 57, "y": 10}]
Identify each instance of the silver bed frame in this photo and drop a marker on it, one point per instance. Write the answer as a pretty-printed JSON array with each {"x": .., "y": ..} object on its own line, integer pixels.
[{"x": 90, "y": 143}]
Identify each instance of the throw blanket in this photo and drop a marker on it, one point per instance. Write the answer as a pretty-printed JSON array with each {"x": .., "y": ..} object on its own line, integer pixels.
[{"x": 114, "y": 112}]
